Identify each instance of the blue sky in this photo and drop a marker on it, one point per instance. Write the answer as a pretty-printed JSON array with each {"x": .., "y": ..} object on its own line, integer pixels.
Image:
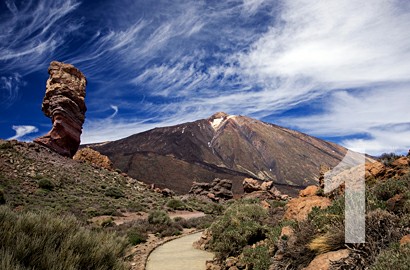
[{"x": 338, "y": 70}]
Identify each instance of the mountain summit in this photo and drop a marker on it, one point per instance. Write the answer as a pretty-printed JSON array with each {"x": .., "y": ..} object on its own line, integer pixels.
[{"x": 224, "y": 146}]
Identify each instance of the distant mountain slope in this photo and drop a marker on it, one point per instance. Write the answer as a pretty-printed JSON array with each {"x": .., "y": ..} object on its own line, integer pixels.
[{"x": 225, "y": 146}]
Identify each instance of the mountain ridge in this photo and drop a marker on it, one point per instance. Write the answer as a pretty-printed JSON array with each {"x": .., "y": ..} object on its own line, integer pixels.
[{"x": 223, "y": 145}]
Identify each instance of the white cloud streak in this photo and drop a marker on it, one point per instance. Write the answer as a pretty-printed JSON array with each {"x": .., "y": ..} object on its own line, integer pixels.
[
  {"x": 22, "y": 131},
  {"x": 30, "y": 33},
  {"x": 190, "y": 59},
  {"x": 9, "y": 89}
]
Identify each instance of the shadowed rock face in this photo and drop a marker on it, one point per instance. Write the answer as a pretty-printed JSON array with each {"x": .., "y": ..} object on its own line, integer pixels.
[{"x": 64, "y": 104}]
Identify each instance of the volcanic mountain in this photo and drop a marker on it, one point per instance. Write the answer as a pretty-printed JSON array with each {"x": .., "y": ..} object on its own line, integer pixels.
[{"x": 224, "y": 146}]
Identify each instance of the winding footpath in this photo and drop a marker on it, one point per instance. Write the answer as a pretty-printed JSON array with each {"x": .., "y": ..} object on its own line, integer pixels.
[{"x": 179, "y": 254}]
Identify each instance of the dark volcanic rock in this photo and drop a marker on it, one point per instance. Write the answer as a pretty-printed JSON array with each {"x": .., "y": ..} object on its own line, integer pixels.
[
  {"x": 223, "y": 146},
  {"x": 219, "y": 189},
  {"x": 64, "y": 104}
]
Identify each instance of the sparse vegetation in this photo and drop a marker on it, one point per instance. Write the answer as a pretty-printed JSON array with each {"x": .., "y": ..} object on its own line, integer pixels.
[
  {"x": 395, "y": 257},
  {"x": 136, "y": 237},
  {"x": 45, "y": 241},
  {"x": 176, "y": 204},
  {"x": 241, "y": 225},
  {"x": 159, "y": 217},
  {"x": 45, "y": 184},
  {"x": 114, "y": 192},
  {"x": 257, "y": 258},
  {"x": 388, "y": 158}
]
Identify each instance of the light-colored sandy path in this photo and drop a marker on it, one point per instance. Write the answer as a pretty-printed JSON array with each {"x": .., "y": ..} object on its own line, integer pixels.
[{"x": 179, "y": 254}]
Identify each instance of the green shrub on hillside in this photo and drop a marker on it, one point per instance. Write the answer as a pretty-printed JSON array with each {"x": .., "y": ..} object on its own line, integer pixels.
[
  {"x": 176, "y": 204},
  {"x": 45, "y": 184},
  {"x": 395, "y": 257},
  {"x": 241, "y": 225},
  {"x": 114, "y": 192},
  {"x": 257, "y": 258},
  {"x": 159, "y": 217},
  {"x": 45, "y": 241},
  {"x": 136, "y": 237}
]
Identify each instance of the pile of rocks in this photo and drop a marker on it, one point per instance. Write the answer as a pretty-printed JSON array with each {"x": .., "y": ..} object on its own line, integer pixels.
[
  {"x": 263, "y": 190},
  {"x": 217, "y": 190}
]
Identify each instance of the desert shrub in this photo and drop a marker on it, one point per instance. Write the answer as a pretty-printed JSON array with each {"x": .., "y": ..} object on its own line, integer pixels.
[
  {"x": 388, "y": 158},
  {"x": 334, "y": 239},
  {"x": 395, "y": 257},
  {"x": 2, "y": 199},
  {"x": 159, "y": 217},
  {"x": 324, "y": 219},
  {"x": 136, "y": 237},
  {"x": 45, "y": 241},
  {"x": 241, "y": 225},
  {"x": 382, "y": 229},
  {"x": 298, "y": 255},
  {"x": 257, "y": 258},
  {"x": 199, "y": 222},
  {"x": 176, "y": 204},
  {"x": 114, "y": 192},
  {"x": 387, "y": 189},
  {"x": 45, "y": 184},
  {"x": 107, "y": 222}
]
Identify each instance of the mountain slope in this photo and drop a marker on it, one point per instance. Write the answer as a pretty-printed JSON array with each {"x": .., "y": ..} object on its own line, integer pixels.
[{"x": 227, "y": 146}]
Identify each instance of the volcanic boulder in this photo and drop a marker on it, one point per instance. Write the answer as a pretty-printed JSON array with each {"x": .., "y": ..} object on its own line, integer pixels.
[
  {"x": 64, "y": 104},
  {"x": 219, "y": 189}
]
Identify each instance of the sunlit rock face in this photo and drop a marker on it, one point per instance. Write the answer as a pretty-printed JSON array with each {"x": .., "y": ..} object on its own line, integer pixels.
[{"x": 64, "y": 104}]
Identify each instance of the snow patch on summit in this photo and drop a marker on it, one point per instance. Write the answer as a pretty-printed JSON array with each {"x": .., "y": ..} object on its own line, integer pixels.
[{"x": 216, "y": 123}]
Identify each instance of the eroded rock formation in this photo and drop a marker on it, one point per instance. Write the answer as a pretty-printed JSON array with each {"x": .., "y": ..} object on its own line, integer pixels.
[
  {"x": 93, "y": 157},
  {"x": 218, "y": 190},
  {"x": 64, "y": 104}
]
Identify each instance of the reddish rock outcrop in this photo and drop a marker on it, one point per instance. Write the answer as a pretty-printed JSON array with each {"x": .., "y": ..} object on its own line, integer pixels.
[
  {"x": 299, "y": 208},
  {"x": 64, "y": 104},
  {"x": 323, "y": 261},
  {"x": 93, "y": 157}
]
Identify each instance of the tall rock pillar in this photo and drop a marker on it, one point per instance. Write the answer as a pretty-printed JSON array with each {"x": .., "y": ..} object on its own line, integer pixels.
[{"x": 64, "y": 104}]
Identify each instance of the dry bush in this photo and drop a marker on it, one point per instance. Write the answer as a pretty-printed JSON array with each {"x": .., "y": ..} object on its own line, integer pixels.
[{"x": 45, "y": 241}]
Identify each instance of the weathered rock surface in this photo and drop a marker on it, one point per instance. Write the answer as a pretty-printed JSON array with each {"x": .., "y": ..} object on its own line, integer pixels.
[
  {"x": 405, "y": 240},
  {"x": 299, "y": 208},
  {"x": 93, "y": 157},
  {"x": 309, "y": 191},
  {"x": 374, "y": 169},
  {"x": 323, "y": 261},
  {"x": 265, "y": 190},
  {"x": 219, "y": 189},
  {"x": 64, "y": 104}
]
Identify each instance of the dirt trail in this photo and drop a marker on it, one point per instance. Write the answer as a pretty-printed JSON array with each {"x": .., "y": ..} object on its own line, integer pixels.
[{"x": 179, "y": 254}]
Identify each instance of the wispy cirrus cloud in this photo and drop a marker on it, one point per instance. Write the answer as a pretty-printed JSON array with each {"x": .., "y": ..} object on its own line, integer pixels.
[
  {"x": 31, "y": 32},
  {"x": 9, "y": 88},
  {"x": 22, "y": 131},
  {"x": 165, "y": 63}
]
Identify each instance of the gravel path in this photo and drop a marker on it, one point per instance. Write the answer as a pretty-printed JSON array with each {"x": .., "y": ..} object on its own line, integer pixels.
[{"x": 179, "y": 254}]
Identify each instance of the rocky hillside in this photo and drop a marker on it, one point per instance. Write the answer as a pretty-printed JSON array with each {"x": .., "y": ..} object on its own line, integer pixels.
[
  {"x": 223, "y": 146},
  {"x": 33, "y": 177}
]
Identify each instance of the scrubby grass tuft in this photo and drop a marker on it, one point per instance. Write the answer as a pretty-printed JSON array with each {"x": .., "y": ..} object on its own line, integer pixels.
[
  {"x": 45, "y": 241},
  {"x": 241, "y": 225},
  {"x": 159, "y": 217},
  {"x": 257, "y": 258},
  {"x": 46, "y": 184},
  {"x": 395, "y": 257},
  {"x": 176, "y": 204}
]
